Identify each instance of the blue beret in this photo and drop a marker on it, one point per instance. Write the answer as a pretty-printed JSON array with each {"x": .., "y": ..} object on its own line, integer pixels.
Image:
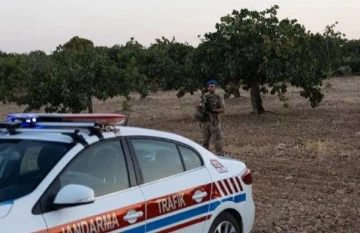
[{"x": 212, "y": 82}]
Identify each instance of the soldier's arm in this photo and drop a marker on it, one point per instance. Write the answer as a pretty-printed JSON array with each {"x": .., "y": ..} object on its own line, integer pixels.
[{"x": 222, "y": 106}]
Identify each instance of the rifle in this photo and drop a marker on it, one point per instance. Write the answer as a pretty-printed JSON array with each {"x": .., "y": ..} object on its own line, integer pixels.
[
  {"x": 204, "y": 101},
  {"x": 203, "y": 109}
]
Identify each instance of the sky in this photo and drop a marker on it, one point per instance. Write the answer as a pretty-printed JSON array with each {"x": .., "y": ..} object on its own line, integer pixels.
[{"x": 28, "y": 25}]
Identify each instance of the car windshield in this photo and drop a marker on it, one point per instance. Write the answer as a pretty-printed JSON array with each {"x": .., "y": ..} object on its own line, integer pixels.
[{"x": 24, "y": 164}]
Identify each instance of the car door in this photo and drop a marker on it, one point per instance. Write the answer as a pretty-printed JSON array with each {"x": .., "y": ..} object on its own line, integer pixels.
[
  {"x": 176, "y": 185},
  {"x": 118, "y": 205}
]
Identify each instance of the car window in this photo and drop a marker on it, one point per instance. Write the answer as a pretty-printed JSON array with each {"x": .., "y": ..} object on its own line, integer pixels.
[
  {"x": 101, "y": 167},
  {"x": 157, "y": 159},
  {"x": 29, "y": 162},
  {"x": 191, "y": 158},
  {"x": 25, "y": 163}
]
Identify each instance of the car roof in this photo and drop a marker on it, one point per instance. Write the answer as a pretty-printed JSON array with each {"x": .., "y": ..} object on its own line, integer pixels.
[
  {"x": 54, "y": 137},
  {"x": 137, "y": 131},
  {"x": 124, "y": 131},
  {"x": 68, "y": 127}
]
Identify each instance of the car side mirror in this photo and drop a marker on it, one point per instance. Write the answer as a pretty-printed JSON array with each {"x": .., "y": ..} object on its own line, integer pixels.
[{"x": 74, "y": 194}]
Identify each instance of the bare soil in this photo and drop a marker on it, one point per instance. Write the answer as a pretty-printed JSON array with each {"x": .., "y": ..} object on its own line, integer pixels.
[{"x": 305, "y": 161}]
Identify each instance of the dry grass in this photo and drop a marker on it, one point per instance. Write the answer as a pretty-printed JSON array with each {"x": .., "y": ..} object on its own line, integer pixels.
[
  {"x": 349, "y": 100},
  {"x": 320, "y": 147}
]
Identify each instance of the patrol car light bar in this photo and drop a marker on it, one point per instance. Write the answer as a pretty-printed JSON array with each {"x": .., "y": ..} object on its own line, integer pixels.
[
  {"x": 101, "y": 119},
  {"x": 70, "y": 124},
  {"x": 64, "y": 128},
  {"x": 63, "y": 131}
]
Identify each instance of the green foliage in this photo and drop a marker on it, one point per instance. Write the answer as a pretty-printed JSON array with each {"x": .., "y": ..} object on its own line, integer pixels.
[
  {"x": 169, "y": 65},
  {"x": 351, "y": 56},
  {"x": 81, "y": 75},
  {"x": 9, "y": 75},
  {"x": 78, "y": 44},
  {"x": 34, "y": 80},
  {"x": 256, "y": 48},
  {"x": 250, "y": 49},
  {"x": 67, "y": 80},
  {"x": 231, "y": 90},
  {"x": 126, "y": 105},
  {"x": 331, "y": 50},
  {"x": 132, "y": 61}
]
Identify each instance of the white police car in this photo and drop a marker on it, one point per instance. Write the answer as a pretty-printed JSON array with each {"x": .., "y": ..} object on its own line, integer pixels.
[{"x": 79, "y": 173}]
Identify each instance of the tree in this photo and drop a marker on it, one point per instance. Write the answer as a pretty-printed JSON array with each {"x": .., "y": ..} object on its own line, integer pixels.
[
  {"x": 68, "y": 79},
  {"x": 256, "y": 48},
  {"x": 84, "y": 74},
  {"x": 78, "y": 44},
  {"x": 34, "y": 80},
  {"x": 164, "y": 65},
  {"x": 131, "y": 59},
  {"x": 169, "y": 64},
  {"x": 328, "y": 47},
  {"x": 351, "y": 56},
  {"x": 9, "y": 75}
]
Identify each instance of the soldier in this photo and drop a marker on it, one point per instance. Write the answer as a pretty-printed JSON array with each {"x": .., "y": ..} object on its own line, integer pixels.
[{"x": 214, "y": 105}]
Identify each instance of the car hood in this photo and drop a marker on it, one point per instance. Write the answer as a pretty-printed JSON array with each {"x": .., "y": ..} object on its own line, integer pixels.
[{"x": 5, "y": 208}]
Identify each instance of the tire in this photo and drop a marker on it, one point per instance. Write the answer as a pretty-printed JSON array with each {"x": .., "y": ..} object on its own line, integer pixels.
[{"x": 225, "y": 223}]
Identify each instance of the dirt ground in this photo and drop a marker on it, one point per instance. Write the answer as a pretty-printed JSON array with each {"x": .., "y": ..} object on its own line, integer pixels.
[{"x": 304, "y": 161}]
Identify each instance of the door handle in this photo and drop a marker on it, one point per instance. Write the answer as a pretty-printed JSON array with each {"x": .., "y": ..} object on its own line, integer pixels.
[
  {"x": 132, "y": 216},
  {"x": 199, "y": 195}
]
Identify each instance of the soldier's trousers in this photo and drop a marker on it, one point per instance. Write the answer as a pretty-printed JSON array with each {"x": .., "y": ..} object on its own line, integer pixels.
[{"x": 212, "y": 130}]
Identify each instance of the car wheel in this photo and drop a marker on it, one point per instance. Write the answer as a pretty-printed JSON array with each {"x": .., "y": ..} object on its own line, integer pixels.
[{"x": 225, "y": 223}]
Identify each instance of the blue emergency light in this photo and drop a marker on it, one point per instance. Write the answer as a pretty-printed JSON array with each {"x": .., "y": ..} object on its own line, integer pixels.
[
  {"x": 64, "y": 119},
  {"x": 28, "y": 120},
  {"x": 47, "y": 122}
]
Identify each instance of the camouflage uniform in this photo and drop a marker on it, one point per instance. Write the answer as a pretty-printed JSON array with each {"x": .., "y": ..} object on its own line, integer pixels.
[{"x": 211, "y": 126}]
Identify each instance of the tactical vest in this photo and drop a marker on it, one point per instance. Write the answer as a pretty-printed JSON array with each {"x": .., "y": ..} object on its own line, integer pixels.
[{"x": 213, "y": 100}]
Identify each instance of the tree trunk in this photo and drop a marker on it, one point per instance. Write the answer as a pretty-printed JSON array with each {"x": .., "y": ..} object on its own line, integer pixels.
[
  {"x": 89, "y": 103},
  {"x": 256, "y": 101},
  {"x": 237, "y": 93}
]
